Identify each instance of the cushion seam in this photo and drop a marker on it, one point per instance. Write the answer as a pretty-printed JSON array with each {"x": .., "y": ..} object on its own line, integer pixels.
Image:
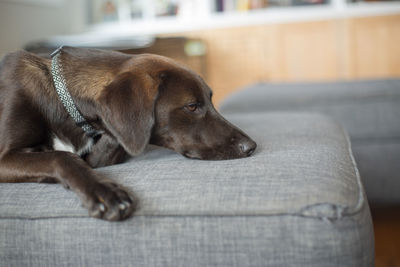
[
  {"x": 361, "y": 196},
  {"x": 294, "y": 214}
]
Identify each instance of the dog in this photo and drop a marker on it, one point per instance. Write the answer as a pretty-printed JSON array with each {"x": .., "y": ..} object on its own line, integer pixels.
[{"x": 125, "y": 102}]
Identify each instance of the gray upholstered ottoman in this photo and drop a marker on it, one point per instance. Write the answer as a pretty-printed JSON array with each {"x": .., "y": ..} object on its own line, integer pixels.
[
  {"x": 298, "y": 201},
  {"x": 368, "y": 109}
]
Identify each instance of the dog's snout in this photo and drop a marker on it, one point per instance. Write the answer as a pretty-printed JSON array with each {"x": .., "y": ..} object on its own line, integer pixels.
[{"x": 247, "y": 146}]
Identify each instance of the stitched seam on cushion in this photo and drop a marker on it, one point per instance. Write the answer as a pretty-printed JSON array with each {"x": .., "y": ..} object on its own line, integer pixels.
[
  {"x": 361, "y": 197},
  {"x": 295, "y": 214},
  {"x": 338, "y": 211}
]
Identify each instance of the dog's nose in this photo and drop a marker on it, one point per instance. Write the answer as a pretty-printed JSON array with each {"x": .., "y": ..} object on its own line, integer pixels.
[{"x": 247, "y": 146}]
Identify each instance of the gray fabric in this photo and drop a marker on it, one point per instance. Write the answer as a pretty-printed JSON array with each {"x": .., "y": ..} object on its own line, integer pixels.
[
  {"x": 368, "y": 109},
  {"x": 297, "y": 202},
  {"x": 379, "y": 165},
  {"x": 162, "y": 241}
]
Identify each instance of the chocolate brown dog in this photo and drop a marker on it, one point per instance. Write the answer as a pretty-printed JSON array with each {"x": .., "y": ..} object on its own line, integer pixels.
[{"x": 128, "y": 101}]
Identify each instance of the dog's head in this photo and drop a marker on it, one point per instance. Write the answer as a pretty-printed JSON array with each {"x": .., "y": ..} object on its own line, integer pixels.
[{"x": 155, "y": 100}]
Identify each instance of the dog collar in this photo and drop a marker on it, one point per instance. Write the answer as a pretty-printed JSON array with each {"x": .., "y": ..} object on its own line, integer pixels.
[{"x": 65, "y": 97}]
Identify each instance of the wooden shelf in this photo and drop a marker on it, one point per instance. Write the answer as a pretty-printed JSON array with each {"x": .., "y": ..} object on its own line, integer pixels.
[
  {"x": 152, "y": 26},
  {"x": 211, "y": 20}
]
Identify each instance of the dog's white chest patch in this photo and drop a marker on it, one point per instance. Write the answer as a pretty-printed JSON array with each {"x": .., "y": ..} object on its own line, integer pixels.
[{"x": 60, "y": 145}]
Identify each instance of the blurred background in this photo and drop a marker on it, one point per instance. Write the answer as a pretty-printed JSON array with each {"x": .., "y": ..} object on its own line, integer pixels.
[{"x": 232, "y": 44}]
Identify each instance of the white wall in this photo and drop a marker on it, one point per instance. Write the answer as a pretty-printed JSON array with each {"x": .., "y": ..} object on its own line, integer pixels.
[{"x": 22, "y": 21}]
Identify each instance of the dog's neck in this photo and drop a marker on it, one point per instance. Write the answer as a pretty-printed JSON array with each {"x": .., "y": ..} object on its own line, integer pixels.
[
  {"x": 88, "y": 76},
  {"x": 66, "y": 99}
]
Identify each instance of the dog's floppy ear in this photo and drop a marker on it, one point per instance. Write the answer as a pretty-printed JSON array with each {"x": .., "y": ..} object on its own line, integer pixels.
[{"x": 127, "y": 106}]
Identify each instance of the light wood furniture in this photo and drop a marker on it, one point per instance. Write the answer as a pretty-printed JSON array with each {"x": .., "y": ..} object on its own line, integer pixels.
[{"x": 335, "y": 49}]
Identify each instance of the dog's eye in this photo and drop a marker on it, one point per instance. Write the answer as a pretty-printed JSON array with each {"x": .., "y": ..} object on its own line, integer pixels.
[{"x": 192, "y": 107}]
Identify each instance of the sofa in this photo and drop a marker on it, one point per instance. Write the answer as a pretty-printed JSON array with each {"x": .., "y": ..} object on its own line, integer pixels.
[
  {"x": 299, "y": 200},
  {"x": 369, "y": 110}
]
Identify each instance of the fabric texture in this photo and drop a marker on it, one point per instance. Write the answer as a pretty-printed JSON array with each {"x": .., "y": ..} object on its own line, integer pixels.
[
  {"x": 368, "y": 109},
  {"x": 298, "y": 201}
]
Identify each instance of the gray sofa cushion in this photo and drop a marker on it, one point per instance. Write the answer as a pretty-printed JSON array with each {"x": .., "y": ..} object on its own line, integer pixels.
[
  {"x": 368, "y": 109},
  {"x": 297, "y": 201}
]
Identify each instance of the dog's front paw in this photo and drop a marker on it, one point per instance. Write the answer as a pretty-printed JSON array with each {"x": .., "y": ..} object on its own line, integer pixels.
[{"x": 110, "y": 202}]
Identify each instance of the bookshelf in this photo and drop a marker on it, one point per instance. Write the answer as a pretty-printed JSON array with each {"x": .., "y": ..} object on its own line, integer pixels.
[
  {"x": 152, "y": 17},
  {"x": 140, "y": 20}
]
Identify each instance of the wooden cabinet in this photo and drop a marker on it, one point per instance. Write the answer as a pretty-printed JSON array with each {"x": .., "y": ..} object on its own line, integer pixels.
[
  {"x": 374, "y": 47},
  {"x": 334, "y": 49}
]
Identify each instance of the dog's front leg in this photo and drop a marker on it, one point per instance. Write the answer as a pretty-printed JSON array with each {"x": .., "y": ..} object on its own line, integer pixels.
[
  {"x": 103, "y": 198},
  {"x": 107, "y": 151}
]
